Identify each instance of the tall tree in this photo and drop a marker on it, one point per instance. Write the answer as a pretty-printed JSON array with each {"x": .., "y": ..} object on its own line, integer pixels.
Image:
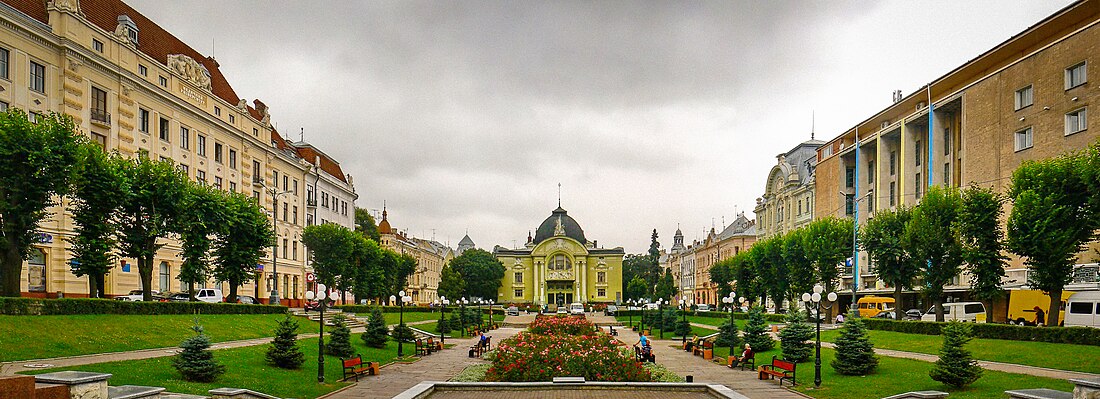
[
  {"x": 800, "y": 270},
  {"x": 721, "y": 274},
  {"x": 148, "y": 212},
  {"x": 332, "y": 248},
  {"x": 883, "y": 239},
  {"x": 241, "y": 242},
  {"x": 744, "y": 270},
  {"x": 979, "y": 229},
  {"x": 931, "y": 237},
  {"x": 482, "y": 272},
  {"x": 364, "y": 223},
  {"x": 368, "y": 274},
  {"x": 636, "y": 288},
  {"x": 666, "y": 287},
  {"x": 201, "y": 215},
  {"x": 828, "y": 242},
  {"x": 451, "y": 284},
  {"x": 95, "y": 199},
  {"x": 1051, "y": 221},
  {"x": 771, "y": 269},
  {"x": 637, "y": 265},
  {"x": 398, "y": 268},
  {"x": 36, "y": 165},
  {"x": 653, "y": 270}
]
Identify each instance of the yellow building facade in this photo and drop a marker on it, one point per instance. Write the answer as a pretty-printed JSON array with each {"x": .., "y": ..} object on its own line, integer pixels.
[
  {"x": 430, "y": 255},
  {"x": 559, "y": 266},
  {"x": 132, "y": 87}
]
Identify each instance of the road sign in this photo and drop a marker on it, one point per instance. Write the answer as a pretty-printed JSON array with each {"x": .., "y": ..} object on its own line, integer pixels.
[{"x": 310, "y": 277}]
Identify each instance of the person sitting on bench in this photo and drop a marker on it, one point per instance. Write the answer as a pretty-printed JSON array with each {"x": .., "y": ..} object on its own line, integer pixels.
[
  {"x": 745, "y": 354},
  {"x": 643, "y": 341}
]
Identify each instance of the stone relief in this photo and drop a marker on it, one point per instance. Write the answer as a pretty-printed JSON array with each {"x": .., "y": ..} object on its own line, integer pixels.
[
  {"x": 559, "y": 275},
  {"x": 190, "y": 69},
  {"x": 72, "y": 6}
]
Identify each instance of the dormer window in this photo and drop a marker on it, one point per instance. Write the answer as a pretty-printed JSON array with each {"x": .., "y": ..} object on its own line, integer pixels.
[{"x": 127, "y": 28}]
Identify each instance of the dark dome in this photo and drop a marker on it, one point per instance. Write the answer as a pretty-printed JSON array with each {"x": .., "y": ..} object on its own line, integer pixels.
[{"x": 572, "y": 228}]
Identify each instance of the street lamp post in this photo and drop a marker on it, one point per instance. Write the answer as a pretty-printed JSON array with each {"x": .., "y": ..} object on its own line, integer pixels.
[
  {"x": 729, "y": 301},
  {"x": 684, "y": 305},
  {"x": 401, "y": 318},
  {"x": 815, "y": 299},
  {"x": 273, "y": 297},
  {"x": 444, "y": 302},
  {"x": 661, "y": 316},
  {"x": 322, "y": 295},
  {"x": 641, "y": 321},
  {"x": 491, "y": 303},
  {"x": 462, "y": 315}
]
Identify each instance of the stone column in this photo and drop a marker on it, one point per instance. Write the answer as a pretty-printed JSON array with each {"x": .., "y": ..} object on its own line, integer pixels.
[
  {"x": 1086, "y": 388},
  {"x": 82, "y": 384}
]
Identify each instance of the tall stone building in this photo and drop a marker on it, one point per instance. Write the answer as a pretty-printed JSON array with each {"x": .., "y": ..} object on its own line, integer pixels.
[
  {"x": 738, "y": 236},
  {"x": 1028, "y": 98},
  {"x": 131, "y": 86},
  {"x": 788, "y": 200},
  {"x": 430, "y": 255},
  {"x": 559, "y": 266}
]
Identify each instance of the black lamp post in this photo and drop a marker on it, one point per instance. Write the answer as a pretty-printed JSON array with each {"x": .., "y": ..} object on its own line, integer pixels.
[
  {"x": 684, "y": 305},
  {"x": 815, "y": 299},
  {"x": 322, "y": 297},
  {"x": 462, "y": 315},
  {"x": 641, "y": 321},
  {"x": 661, "y": 316},
  {"x": 401, "y": 318},
  {"x": 443, "y": 301}
]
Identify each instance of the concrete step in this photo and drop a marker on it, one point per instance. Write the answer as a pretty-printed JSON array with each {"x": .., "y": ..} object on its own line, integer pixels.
[
  {"x": 133, "y": 392},
  {"x": 170, "y": 395}
]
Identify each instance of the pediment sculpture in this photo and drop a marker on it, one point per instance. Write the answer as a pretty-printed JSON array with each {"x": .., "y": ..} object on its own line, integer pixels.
[{"x": 190, "y": 70}]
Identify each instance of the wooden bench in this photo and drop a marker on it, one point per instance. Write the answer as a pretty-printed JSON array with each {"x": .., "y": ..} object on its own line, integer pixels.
[
  {"x": 701, "y": 349},
  {"x": 355, "y": 366},
  {"x": 478, "y": 349},
  {"x": 422, "y": 348},
  {"x": 434, "y": 345},
  {"x": 748, "y": 360},
  {"x": 779, "y": 368},
  {"x": 640, "y": 356}
]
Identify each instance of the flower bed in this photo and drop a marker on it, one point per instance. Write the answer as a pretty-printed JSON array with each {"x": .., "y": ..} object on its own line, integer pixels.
[{"x": 564, "y": 347}]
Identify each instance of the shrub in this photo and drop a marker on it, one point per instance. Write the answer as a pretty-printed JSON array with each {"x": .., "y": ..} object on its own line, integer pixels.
[
  {"x": 794, "y": 339},
  {"x": 855, "y": 355},
  {"x": 403, "y": 333},
  {"x": 443, "y": 326},
  {"x": 66, "y": 306},
  {"x": 339, "y": 343},
  {"x": 956, "y": 367},
  {"x": 728, "y": 335},
  {"x": 536, "y": 357},
  {"x": 284, "y": 352},
  {"x": 756, "y": 331},
  {"x": 659, "y": 373},
  {"x": 1062, "y": 335},
  {"x": 475, "y": 373},
  {"x": 195, "y": 361},
  {"x": 376, "y": 332}
]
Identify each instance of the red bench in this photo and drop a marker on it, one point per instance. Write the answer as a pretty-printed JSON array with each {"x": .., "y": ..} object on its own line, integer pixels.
[
  {"x": 355, "y": 366},
  {"x": 779, "y": 368}
]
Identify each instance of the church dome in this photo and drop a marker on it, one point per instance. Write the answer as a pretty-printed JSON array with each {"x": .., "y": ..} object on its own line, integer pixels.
[{"x": 572, "y": 228}]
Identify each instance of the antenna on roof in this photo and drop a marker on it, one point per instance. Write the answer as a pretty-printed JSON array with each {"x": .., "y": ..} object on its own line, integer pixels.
[
  {"x": 559, "y": 195},
  {"x": 813, "y": 120},
  {"x": 302, "y": 135}
]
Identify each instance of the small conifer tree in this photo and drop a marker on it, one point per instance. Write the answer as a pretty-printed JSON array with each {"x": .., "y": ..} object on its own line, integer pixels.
[
  {"x": 195, "y": 361},
  {"x": 756, "y": 331},
  {"x": 728, "y": 334},
  {"x": 376, "y": 333},
  {"x": 670, "y": 320},
  {"x": 339, "y": 343},
  {"x": 284, "y": 351},
  {"x": 444, "y": 325},
  {"x": 794, "y": 339},
  {"x": 956, "y": 367},
  {"x": 402, "y": 333},
  {"x": 855, "y": 354}
]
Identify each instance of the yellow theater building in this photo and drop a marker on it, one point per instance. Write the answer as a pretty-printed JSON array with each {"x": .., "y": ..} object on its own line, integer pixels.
[{"x": 559, "y": 266}]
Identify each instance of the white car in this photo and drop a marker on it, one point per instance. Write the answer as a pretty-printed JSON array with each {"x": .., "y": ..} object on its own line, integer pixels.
[
  {"x": 211, "y": 295},
  {"x": 973, "y": 312},
  {"x": 576, "y": 308},
  {"x": 702, "y": 307},
  {"x": 136, "y": 295}
]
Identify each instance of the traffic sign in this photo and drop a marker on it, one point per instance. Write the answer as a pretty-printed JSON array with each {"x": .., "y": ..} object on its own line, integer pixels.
[{"x": 310, "y": 277}]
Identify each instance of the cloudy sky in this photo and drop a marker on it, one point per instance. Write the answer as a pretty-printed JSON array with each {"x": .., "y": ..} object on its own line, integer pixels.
[{"x": 465, "y": 115}]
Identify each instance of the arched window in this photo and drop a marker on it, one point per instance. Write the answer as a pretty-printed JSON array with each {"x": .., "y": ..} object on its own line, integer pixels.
[
  {"x": 36, "y": 271},
  {"x": 561, "y": 262},
  {"x": 165, "y": 278}
]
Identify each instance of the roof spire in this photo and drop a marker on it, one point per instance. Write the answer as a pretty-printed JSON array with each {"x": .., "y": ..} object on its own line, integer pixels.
[
  {"x": 383, "y": 209},
  {"x": 812, "y": 122},
  {"x": 559, "y": 195}
]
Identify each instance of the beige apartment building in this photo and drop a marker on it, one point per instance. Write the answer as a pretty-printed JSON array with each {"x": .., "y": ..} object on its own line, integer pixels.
[
  {"x": 430, "y": 255},
  {"x": 1030, "y": 97},
  {"x": 691, "y": 265},
  {"x": 133, "y": 87}
]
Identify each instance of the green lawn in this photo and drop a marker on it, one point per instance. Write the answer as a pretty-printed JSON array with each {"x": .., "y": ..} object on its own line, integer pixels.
[
  {"x": 246, "y": 369},
  {"x": 38, "y": 337},
  {"x": 1083, "y": 358},
  {"x": 656, "y": 332},
  {"x": 411, "y": 317}
]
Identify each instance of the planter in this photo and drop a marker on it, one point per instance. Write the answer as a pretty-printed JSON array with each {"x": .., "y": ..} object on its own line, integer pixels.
[{"x": 708, "y": 354}]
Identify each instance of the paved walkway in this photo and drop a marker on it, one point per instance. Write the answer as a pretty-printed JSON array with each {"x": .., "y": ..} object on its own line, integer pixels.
[{"x": 439, "y": 366}]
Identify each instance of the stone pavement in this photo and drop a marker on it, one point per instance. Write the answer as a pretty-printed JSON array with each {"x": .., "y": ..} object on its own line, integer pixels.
[{"x": 439, "y": 366}]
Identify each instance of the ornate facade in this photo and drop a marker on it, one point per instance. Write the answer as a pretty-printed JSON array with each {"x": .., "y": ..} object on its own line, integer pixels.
[
  {"x": 788, "y": 201},
  {"x": 559, "y": 266},
  {"x": 423, "y": 284}
]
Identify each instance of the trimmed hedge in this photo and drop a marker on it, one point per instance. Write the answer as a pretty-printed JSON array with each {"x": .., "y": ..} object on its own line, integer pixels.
[
  {"x": 410, "y": 309},
  {"x": 36, "y": 306},
  {"x": 1061, "y": 335},
  {"x": 718, "y": 316}
]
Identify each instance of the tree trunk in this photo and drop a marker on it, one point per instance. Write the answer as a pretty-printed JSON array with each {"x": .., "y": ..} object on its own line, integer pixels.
[
  {"x": 897, "y": 302},
  {"x": 988, "y": 311},
  {"x": 191, "y": 292},
  {"x": 102, "y": 284},
  {"x": 10, "y": 272},
  {"x": 145, "y": 271},
  {"x": 1055, "y": 303},
  {"x": 93, "y": 286},
  {"x": 233, "y": 283},
  {"x": 938, "y": 303}
]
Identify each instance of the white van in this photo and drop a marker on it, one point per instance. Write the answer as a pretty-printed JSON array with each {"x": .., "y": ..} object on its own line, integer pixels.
[
  {"x": 960, "y": 311},
  {"x": 209, "y": 295},
  {"x": 576, "y": 308},
  {"x": 1083, "y": 309}
]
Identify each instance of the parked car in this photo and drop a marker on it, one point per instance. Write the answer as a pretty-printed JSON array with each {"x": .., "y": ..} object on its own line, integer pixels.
[
  {"x": 913, "y": 314},
  {"x": 885, "y": 314},
  {"x": 1083, "y": 310},
  {"x": 246, "y": 299},
  {"x": 137, "y": 295},
  {"x": 871, "y": 306},
  {"x": 576, "y": 308},
  {"x": 179, "y": 297},
  {"x": 211, "y": 295},
  {"x": 562, "y": 310},
  {"x": 960, "y": 311},
  {"x": 512, "y": 311},
  {"x": 611, "y": 310},
  {"x": 702, "y": 307}
]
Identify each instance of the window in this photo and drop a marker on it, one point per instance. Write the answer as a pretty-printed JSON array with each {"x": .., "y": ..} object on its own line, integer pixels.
[
  {"x": 218, "y": 182},
  {"x": 893, "y": 162},
  {"x": 1076, "y": 121},
  {"x": 165, "y": 277},
  {"x": 97, "y": 45},
  {"x": 601, "y": 277},
  {"x": 309, "y": 220},
  {"x": 256, "y": 172},
  {"x": 1025, "y": 97},
  {"x": 893, "y": 193},
  {"x": 232, "y": 119},
  {"x": 99, "y": 106},
  {"x": 295, "y": 214},
  {"x": 184, "y": 169},
  {"x": 142, "y": 70},
  {"x": 217, "y": 111},
  {"x": 284, "y": 248},
  {"x": 286, "y": 211},
  {"x": 200, "y": 175},
  {"x": 849, "y": 204},
  {"x": 1076, "y": 75},
  {"x": 1080, "y": 307},
  {"x": 286, "y": 182},
  {"x": 917, "y": 185},
  {"x": 163, "y": 81},
  {"x": 918, "y": 149},
  {"x": 38, "y": 77},
  {"x": 324, "y": 199},
  {"x": 294, "y": 250},
  {"x": 1023, "y": 139},
  {"x": 232, "y": 159},
  {"x": 233, "y": 186},
  {"x": 519, "y": 277},
  {"x": 871, "y": 171},
  {"x": 185, "y": 137},
  {"x": 517, "y": 293},
  {"x": 36, "y": 271},
  {"x": 311, "y": 199},
  {"x": 200, "y": 145},
  {"x": 143, "y": 120},
  {"x": 295, "y": 186},
  {"x": 3, "y": 106},
  {"x": 947, "y": 174},
  {"x": 947, "y": 141},
  {"x": 255, "y": 132},
  {"x": 256, "y": 195},
  {"x": 275, "y": 179},
  {"x": 217, "y": 152},
  {"x": 601, "y": 292},
  {"x": 849, "y": 177},
  {"x": 4, "y": 57},
  {"x": 164, "y": 129}
]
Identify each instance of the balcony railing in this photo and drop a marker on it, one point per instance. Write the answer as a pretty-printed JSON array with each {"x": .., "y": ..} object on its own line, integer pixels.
[
  {"x": 101, "y": 116},
  {"x": 257, "y": 180}
]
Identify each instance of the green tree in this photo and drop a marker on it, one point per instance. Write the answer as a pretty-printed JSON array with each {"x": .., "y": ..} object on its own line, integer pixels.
[
  {"x": 368, "y": 277},
  {"x": 979, "y": 229},
  {"x": 196, "y": 362},
  {"x": 728, "y": 335},
  {"x": 95, "y": 199},
  {"x": 855, "y": 355},
  {"x": 148, "y": 212},
  {"x": 241, "y": 241},
  {"x": 36, "y": 164},
  {"x": 795, "y": 338},
  {"x": 883, "y": 239},
  {"x": 284, "y": 351},
  {"x": 756, "y": 331},
  {"x": 377, "y": 332},
  {"x": 771, "y": 270},
  {"x": 653, "y": 269},
  {"x": 403, "y": 333},
  {"x": 637, "y": 265},
  {"x": 481, "y": 271},
  {"x": 931, "y": 238},
  {"x": 799, "y": 268},
  {"x": 956, "y": 367},
  {"x": 744, "y": 270},
  {"x": 666, "y": 287},
  {"x": 636, "y": 288},
  {"x": 1051, "y": 221},
  {"x": 364, "y": 223},
  {"x": 333, "y": 250},
  {"x": 339, "y": 343},
  {"x": 721, "y": 275},
  {"x": 200, "y": 217},
  {"x": 451, "y": 284},
  {"x": 827, "y": 243}
]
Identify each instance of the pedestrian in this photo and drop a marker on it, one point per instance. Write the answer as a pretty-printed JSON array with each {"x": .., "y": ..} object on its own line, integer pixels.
[
  {"x": 840, "y": 318},
  {"x": 1040, "y": 316}
]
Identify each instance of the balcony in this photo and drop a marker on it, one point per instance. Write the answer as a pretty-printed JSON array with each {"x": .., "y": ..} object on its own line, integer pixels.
[
  {"x": 311, "y": 202},
  {"x": 257, "y": 180},
  {"x": 101, "y": 117}
]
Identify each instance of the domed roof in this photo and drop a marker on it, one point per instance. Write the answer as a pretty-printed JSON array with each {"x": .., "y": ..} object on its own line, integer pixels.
[
  {"x": 547, "y": 228},
  {"x": 384, "y": 225}
]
